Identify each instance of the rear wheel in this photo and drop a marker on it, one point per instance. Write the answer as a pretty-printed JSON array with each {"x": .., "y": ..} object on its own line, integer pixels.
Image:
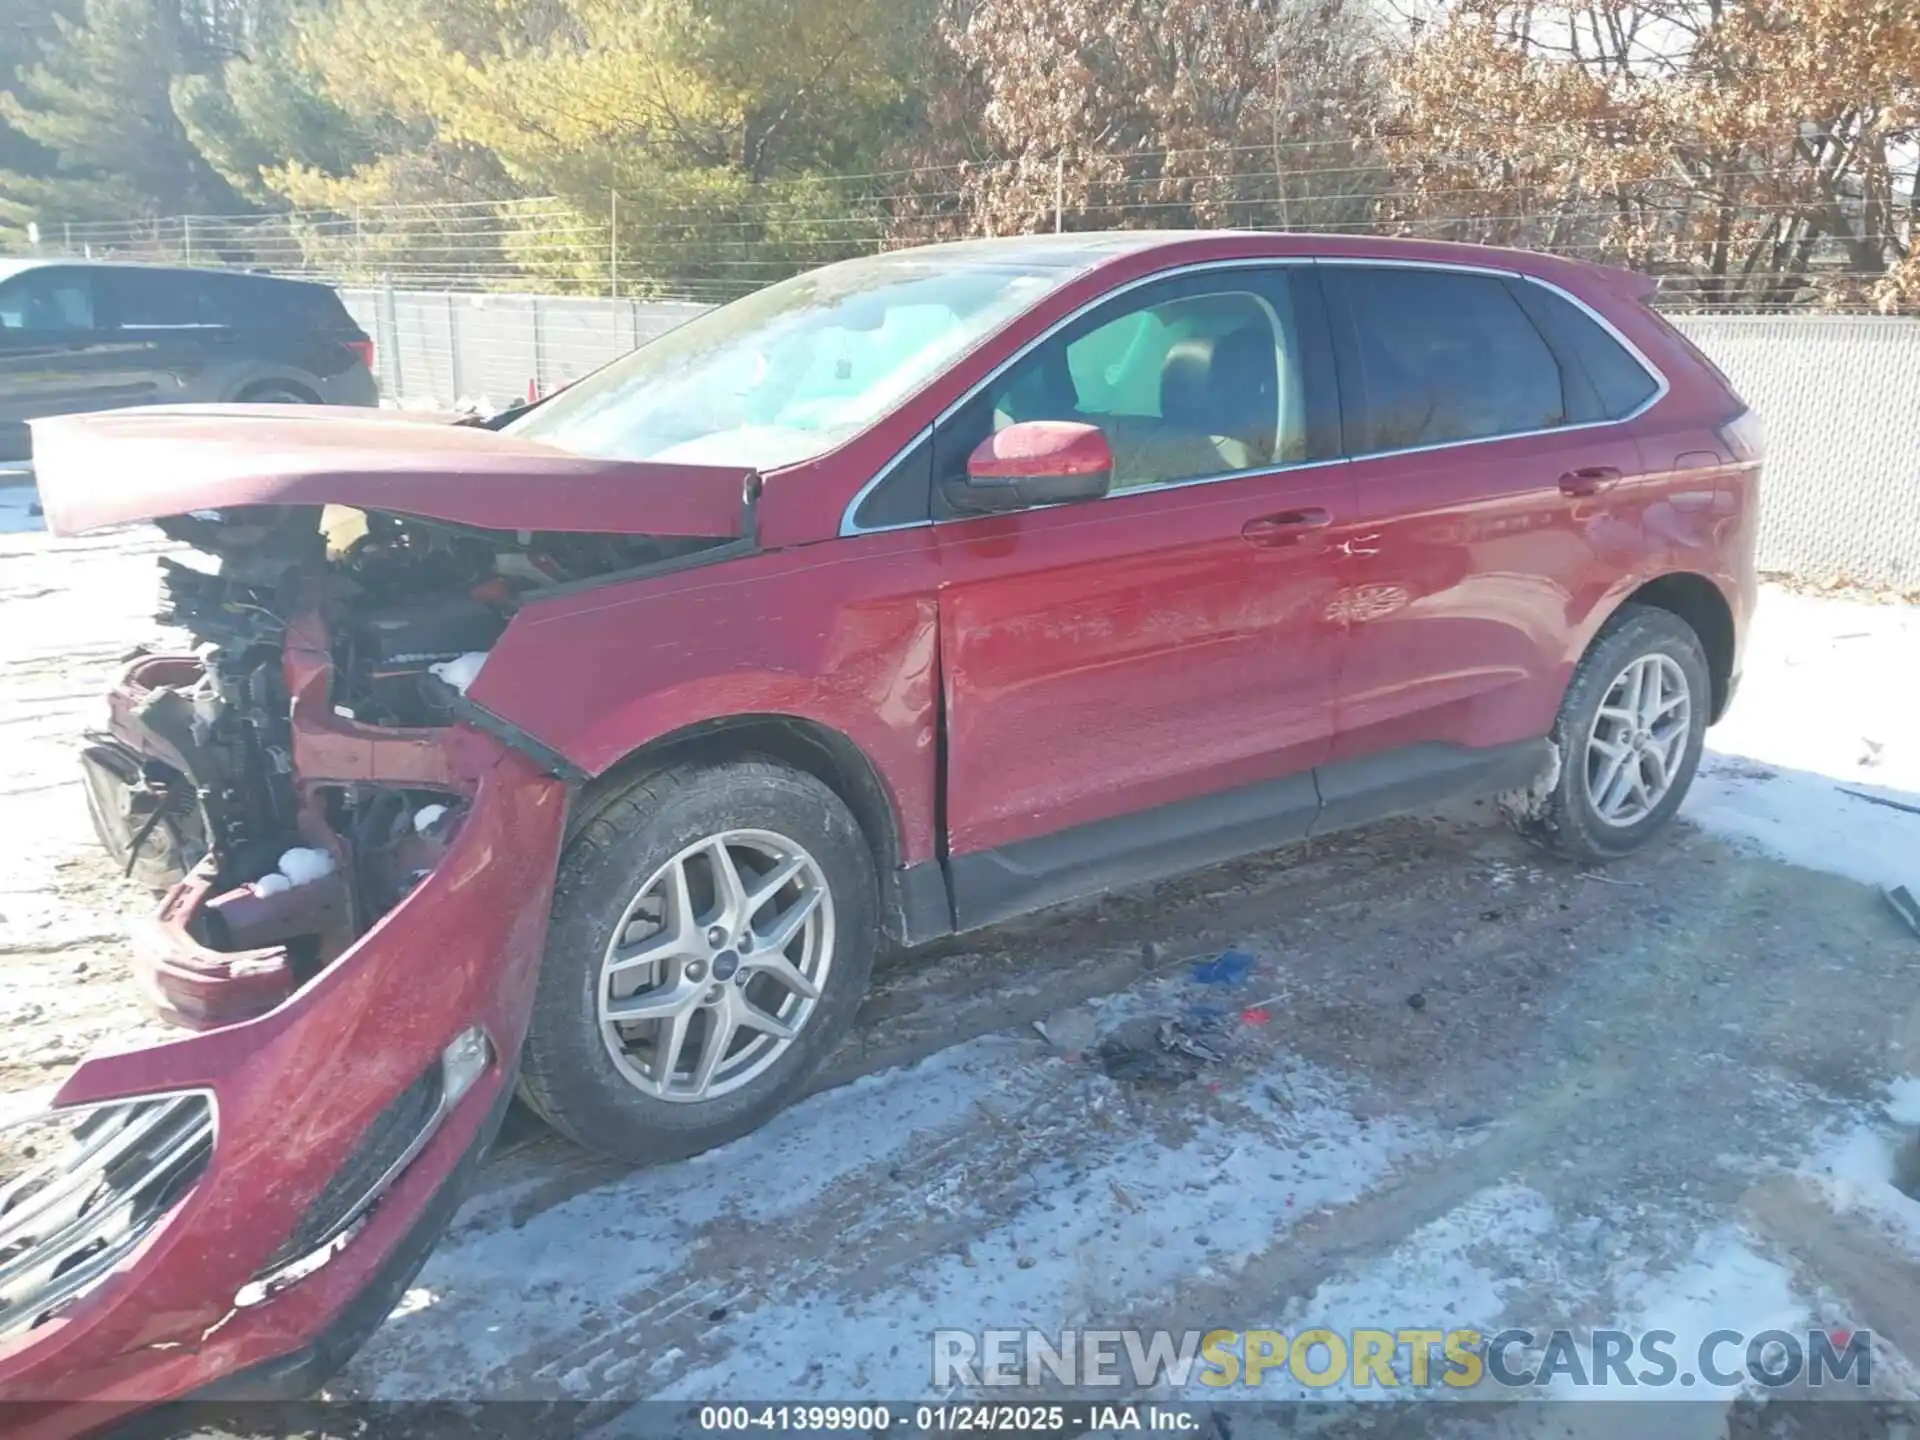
[
  {"x": 275, "y": 392},
  {"x": 1629, "y": 736},
  {"x": 713, "y": 932}
]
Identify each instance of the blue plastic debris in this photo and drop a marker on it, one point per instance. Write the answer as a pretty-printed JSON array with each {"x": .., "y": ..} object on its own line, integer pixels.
[{"x": 1230, "y": 967}]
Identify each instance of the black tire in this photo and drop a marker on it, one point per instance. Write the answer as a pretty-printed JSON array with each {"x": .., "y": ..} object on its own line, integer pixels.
[
  {"x": 163, "y": 842},
  {"x": 276, "y": 392},
  {"x": 567, "y": 1074},
  {"x": 1560, "y": 812}
]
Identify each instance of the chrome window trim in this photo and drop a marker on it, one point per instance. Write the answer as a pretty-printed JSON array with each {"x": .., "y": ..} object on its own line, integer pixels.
[{"x": 1662, "y": 386}]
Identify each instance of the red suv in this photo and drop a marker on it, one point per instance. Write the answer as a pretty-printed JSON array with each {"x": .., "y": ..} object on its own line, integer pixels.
[{"x": 596, "y": 750}]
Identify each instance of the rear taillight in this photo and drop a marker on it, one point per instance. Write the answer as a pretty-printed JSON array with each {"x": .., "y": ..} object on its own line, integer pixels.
[
  {"x": 1744, "y": 436},
  {"x": 363, "y": 348}
]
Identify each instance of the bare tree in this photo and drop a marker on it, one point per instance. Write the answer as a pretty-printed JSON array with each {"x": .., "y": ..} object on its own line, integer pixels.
[
  {"x": 1144, "y": 113},
  {"x": 1760, "y": 154}
]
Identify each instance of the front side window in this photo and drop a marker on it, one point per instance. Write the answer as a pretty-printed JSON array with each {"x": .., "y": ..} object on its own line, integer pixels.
[
  {"x": 47, "y": 300},
  {"x": 1442, "y": 356},
  {"x": 1192, "y": 379},
  {"x": 792, "y": 371}
]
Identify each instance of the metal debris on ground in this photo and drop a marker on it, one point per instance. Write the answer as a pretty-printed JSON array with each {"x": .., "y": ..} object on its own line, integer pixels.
[
  {"x": 1175, "y": 1037},
  {"x": 1160, "y": 1050}
]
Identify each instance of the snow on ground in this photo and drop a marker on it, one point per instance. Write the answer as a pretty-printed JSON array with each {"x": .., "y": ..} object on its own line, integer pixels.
[
  {"x": 1830, "y": 703},
  {"x": 1903, "y": 1102},
  {"x": 1109, "y": 1197},
  {"x": 1457, "y": 1084}
]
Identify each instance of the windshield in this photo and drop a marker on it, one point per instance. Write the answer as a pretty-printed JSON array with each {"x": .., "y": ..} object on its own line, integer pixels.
[{"x": 791, "y": 371}]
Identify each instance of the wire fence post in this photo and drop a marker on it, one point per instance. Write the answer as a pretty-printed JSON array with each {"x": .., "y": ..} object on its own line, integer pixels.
[
  {"x": 391, "y": 349},
  {"x": 1059, "y": 192},
  {"x": 613, "y": 243},
  {"x": 539, "y": 349},
  {"x": 453, "y": 348},
  {"x": 186, "y": 237}
]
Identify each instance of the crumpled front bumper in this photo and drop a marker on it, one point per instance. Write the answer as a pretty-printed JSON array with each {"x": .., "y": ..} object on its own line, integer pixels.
[{"x": 295, "y": 1092}]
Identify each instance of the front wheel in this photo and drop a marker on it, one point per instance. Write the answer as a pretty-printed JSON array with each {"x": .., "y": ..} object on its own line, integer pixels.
[
  {"x": 713, "y": 931},
  {"x": 1629, "y": 735}
]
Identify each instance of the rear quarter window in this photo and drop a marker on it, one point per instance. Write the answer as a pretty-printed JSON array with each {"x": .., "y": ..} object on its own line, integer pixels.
[
  {"x": 1620, "y": 383},
  {"x": 258, "y": 304}
]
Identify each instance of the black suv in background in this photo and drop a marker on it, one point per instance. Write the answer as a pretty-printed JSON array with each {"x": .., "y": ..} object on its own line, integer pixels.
[{"x": 92, "y": 335}]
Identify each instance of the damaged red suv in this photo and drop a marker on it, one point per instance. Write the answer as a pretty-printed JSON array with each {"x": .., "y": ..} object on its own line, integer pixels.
[{"x": 594, "y": 751}]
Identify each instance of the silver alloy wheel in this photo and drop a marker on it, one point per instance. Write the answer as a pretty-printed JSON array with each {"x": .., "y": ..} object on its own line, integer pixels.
[
  {"x": 1638, "y": 740},
  {"x": 716, "y": 965}
]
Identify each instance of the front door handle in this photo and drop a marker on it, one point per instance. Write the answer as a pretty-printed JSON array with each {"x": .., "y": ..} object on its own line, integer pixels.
[
  {"x": 1284, "y": 528},
  {"x": 1588, "y": 480}
]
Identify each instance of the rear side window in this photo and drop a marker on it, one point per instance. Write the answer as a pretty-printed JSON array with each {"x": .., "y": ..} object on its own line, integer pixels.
[
  {"x": 1619, "y": 383},
  {"x": 152, "y": 299},
  {"x": 1436, "y": 356}
]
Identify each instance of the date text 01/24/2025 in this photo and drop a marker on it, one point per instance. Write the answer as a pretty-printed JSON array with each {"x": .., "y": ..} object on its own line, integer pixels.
[{"x": 954, "y": 1418}]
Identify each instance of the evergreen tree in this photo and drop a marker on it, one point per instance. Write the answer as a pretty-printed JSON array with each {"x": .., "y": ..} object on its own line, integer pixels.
[{"x": 99, "y": 101}]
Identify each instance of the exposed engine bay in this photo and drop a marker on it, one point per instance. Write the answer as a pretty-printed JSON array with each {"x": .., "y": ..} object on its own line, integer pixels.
[{"x": 288, "y": 779}]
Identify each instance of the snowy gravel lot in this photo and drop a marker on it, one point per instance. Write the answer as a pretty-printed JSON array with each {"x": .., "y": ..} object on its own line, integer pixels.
[{"x": 1452, "y": 1082}]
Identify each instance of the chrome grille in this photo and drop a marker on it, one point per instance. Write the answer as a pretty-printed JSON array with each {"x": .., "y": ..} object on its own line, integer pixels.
[{"x": 109, "y": 1174}]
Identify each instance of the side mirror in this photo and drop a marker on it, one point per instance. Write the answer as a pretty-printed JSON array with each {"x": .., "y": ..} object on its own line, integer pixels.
[{"x": 1037, "y": 462}]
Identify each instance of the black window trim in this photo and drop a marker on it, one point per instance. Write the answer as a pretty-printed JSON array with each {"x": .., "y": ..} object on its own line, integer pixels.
[
  {"x": 1660, "y": 387},
  {"x": 849, "y": 526}
]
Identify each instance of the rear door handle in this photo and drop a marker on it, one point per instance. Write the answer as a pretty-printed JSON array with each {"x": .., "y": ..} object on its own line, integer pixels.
[
  {"x": 1589, "y": 480},
  {"x": 1284, "y": 528}
]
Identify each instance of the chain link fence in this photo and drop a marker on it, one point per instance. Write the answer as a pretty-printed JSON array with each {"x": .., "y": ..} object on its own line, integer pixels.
[
  {"x": 715, "y": 241},
  {"x": 1840, "y": 398}
]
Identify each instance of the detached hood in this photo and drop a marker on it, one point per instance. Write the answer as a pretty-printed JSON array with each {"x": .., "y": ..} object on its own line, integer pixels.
[{"x": 145, "y": 464}]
